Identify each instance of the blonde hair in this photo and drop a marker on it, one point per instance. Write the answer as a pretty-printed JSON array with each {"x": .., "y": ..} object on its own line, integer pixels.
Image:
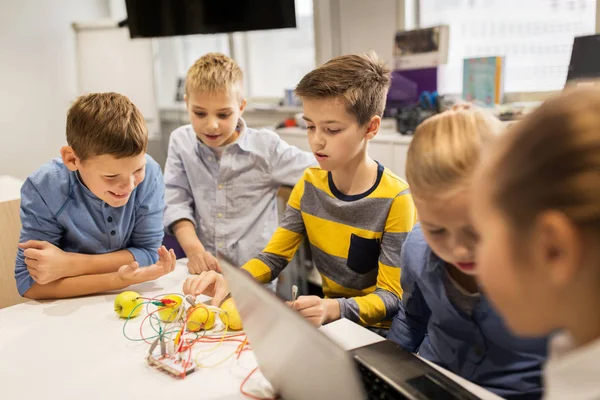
[
  {"x": 213, "y": 72},
  {"x": 446, "y": 148},
  {"x": 551, "y": 161},
  {"x": 106, "y": 123},
  {"x": 361, "y": 80}
]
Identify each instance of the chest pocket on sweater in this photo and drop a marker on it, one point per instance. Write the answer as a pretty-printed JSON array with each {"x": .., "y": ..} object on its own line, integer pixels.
[{"x": 363, "y": 255}]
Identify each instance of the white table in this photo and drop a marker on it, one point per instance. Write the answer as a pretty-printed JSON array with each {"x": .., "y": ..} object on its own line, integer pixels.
[{"x": 74, "y": 348}]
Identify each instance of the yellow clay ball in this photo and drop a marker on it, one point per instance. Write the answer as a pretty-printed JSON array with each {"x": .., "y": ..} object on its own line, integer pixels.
[
  {"x": 230, "y": 315},
  {"x": 199, "y": 317}
]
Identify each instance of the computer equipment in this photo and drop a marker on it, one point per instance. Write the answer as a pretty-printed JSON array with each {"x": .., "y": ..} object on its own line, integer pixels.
[
  {"x": 302, "y": 363},
  {"x": 585, "y": 59}
]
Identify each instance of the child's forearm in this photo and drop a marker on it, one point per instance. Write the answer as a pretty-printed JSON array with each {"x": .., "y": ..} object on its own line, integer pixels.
[
  {"x": 89, "y": 264},
  {"x": 76, "y": 286},
  {"x": 369, "y": 309},
  {"x": 185, "y": 232},
  {"x": 332, "y": 310},
  {"x": 259, "y": 270}
]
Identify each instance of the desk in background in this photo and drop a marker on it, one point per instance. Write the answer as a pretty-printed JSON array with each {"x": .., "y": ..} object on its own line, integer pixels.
[{"x": 388, "y": 146}]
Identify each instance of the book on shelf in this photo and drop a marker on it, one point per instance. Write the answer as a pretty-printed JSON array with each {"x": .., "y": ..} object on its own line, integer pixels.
[{"x": 483, "y": 80}]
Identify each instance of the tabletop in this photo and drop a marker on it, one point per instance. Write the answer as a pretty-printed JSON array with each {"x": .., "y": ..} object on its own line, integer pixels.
[{"x": 76, "y": 348}]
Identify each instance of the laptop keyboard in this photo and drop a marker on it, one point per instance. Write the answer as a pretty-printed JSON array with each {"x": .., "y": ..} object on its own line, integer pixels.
[
  {"x": 376, "y": 388},
  {"x": 421, "y": 387}
]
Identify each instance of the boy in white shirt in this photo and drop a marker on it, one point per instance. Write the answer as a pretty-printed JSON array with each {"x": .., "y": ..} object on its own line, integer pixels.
[{"x": 221, "y": 176}]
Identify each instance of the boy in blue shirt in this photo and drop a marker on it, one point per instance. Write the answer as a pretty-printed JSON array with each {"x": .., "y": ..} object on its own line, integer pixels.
[
  {"x": 221, "y": 176},
  {"x": 92, "y": 217}
]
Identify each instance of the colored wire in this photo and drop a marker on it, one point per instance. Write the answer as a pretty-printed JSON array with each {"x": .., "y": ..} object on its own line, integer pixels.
[
  {"x": 248, "y": 394},
  {"x": 242, "y": 348},
  {"x": 212, "y": 349},
  {"x": 183, "y": 374},
  {"x": 186, "y": 340},
  {"x": 129, "y": 318},
  {"x": 160, "y": 331},
  {"x": 237, "y": 351}
]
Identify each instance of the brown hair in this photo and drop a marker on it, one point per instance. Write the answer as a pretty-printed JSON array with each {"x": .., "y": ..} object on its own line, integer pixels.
[
  {"x": 106, "y": 123},
  {"x": 446, "y": 148},
  {"x": 551, "y": 161},
  {"x": 213, "y": 72},
  {"x": 361, "y": 80}
]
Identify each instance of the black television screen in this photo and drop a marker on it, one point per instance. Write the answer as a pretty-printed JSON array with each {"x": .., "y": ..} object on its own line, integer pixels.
[
  {"x": 155, "y": 18},
  {"x": 585, "y": 58}
]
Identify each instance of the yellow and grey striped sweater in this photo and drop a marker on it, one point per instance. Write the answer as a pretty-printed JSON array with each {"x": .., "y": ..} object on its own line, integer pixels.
[{"x": 355, "y": 242}]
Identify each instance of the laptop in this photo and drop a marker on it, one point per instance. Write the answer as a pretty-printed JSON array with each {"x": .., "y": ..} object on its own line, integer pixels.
[
  {"x": 303, "y": 363},
  {"x": 584, "y": 65}
]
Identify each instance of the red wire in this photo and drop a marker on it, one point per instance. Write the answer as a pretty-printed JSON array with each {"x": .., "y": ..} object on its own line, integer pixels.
[
  {"x": 188, "y": 347},
  {"x": 147, "y": 298},
  {"x": 205, "y": 339},
  {"x": 241, "y": 348},
  {"x": 248, "y": 394},
  {"x": 186, "y": 364},
  {"x": 187, "y": 344},
  {"x": 142, "y": 326},
  {"x": 219, "y": 340},
  {"x": 184, "y": 329},
  {"x": 219, "y": 336}
]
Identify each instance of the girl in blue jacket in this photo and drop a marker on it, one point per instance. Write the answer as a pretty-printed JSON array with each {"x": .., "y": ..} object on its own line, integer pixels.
[{"x": 443, "y": 315}]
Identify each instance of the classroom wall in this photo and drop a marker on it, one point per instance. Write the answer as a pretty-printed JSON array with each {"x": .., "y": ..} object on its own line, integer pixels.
[
  {"x": 37, "y": 77},
  {"x": 357, "y": 26},
  {"x": 369, "y": 25}
]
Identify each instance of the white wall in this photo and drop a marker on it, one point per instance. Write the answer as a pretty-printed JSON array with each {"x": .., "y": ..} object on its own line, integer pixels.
[
  {"x": 368, "y": 25},
  {"x": 118, "y": 11},
  {"x": 357, "y": 26},
  {"x": 37, "y": 77}
]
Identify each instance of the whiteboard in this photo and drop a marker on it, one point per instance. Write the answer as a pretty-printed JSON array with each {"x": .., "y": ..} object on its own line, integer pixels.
[{"x": 109, "y": 61}]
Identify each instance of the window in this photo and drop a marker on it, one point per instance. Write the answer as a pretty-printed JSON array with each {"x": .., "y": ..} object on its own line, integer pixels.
[
  {"x": 194, "y": 46},
  {"x": 535, "y": 36},
  {"x": 272, "y": 60},
  {"x": 278, "y": 59}
]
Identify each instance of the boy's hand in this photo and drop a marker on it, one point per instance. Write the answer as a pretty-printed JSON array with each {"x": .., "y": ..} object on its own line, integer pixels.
[
  {"x": 209, "y": 283},
  {"x": 316, "y": 310},
  {"x": 203, "y": 261},
  {"x": 311, "y": 308},
  {"x": 45, "y": 262},
  {"x": 132, "y": 273}
]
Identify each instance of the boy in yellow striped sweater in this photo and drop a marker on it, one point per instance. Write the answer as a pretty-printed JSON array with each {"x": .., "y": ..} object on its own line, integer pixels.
[{"x": 355, "y": 212}]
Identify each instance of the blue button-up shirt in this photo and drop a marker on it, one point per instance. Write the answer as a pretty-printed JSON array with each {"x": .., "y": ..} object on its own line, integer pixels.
[
  {"x": 478, "y": 347},
  {"x": 58, "y": 208},
  {"x": 232, "y": 201}
]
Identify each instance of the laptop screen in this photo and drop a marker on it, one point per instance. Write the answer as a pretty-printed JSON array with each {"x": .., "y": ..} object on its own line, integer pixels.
[{"x": 585, "y": 58}]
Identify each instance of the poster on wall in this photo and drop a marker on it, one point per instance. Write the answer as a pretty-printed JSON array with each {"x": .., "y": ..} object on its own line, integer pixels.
[{"x": 483, "y": 80}]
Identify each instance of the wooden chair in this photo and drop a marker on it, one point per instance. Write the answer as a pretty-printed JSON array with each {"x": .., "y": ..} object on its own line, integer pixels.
[{"x": 10, "y": 228}]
